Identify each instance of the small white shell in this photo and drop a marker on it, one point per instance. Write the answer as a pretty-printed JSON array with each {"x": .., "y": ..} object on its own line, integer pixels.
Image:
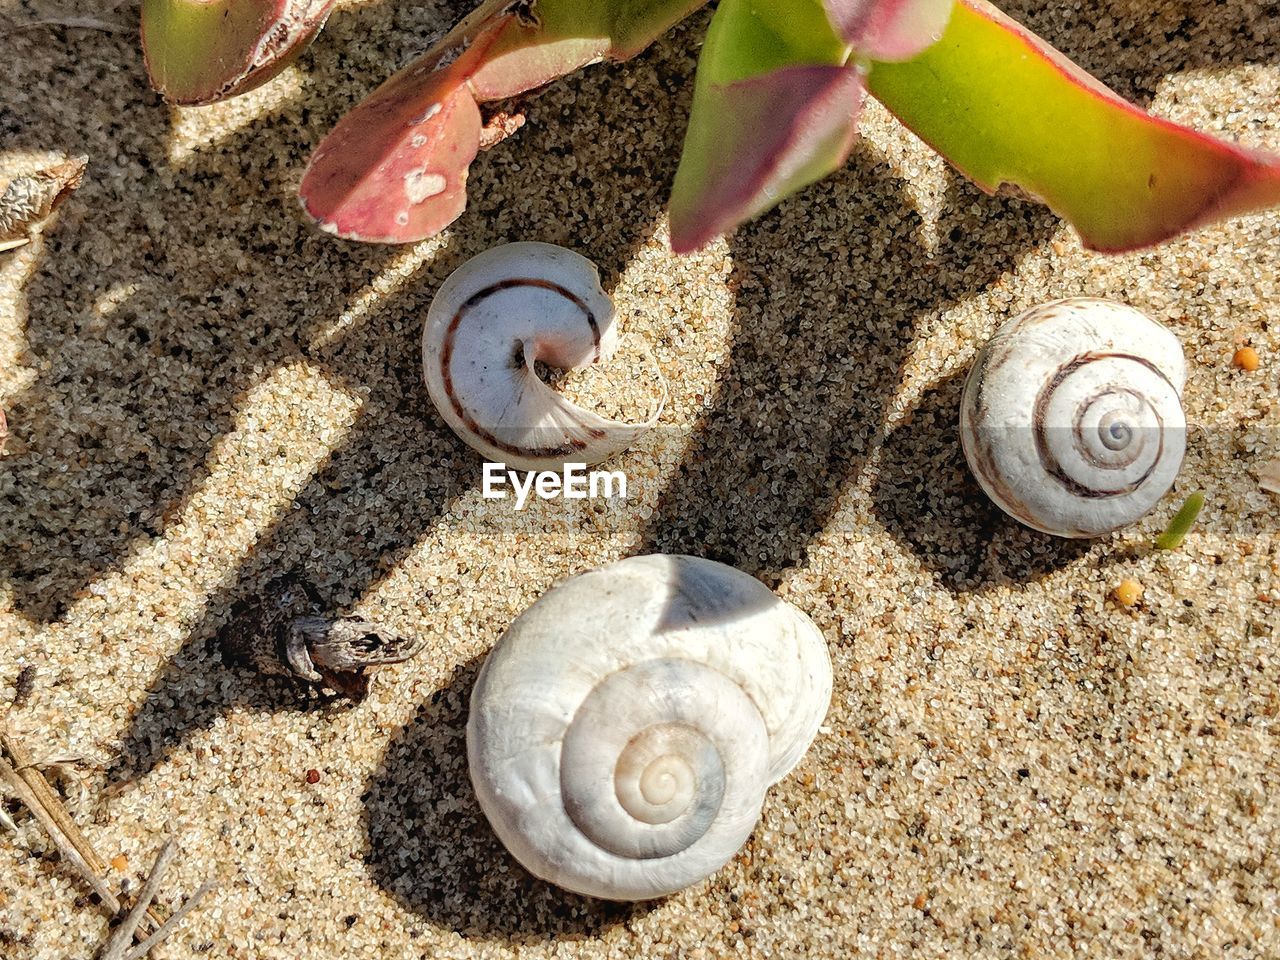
[
  {"x": 492, "y": 319},
  {"x": 1072, "y": 416},
  {"x": 626, "y": 727}
]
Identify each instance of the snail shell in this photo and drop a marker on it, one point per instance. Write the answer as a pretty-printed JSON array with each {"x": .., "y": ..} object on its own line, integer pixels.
[
  {"x": 493, "y": 318},
  {"x": 626, "y": 727},
  {"x": 1072, "y": 416}
]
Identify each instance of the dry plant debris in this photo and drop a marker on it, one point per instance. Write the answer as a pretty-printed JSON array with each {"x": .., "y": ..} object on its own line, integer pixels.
[
  {"x": 120, "y": 946},
  {"x": 286, "y": 633},
  {"x": 28, "y": 200},
  {"x": 22, "y": 775}
]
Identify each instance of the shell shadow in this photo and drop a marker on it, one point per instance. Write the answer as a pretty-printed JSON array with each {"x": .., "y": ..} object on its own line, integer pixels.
[
  {"x": 928, "y": 501},
  {"x": 195, "y": 697},
  {"x": 431, "y": 847},
  {"x": 822, "y": 332},
  {"x": 399, "y": 467}
]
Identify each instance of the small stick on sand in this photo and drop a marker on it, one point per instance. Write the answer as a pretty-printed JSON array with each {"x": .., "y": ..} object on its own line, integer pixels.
[
  {"x": 171, "y": 925},
  {"x": 69, "y": 852},
  {"x": 34, "y": 792},
  {"x": 122, "y": 938},
  {"x": 26, "y": 768}
]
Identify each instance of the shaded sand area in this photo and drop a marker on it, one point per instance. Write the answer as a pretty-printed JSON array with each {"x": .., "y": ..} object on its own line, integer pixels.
[{"x": 203, "y": 393}]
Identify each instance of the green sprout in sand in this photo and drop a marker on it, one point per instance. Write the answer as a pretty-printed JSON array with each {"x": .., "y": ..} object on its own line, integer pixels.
[{"x": 1181, "y": 524}]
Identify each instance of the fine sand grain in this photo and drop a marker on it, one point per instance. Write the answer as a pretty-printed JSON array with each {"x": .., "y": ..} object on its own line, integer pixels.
[{"x": 203, "y": 393}]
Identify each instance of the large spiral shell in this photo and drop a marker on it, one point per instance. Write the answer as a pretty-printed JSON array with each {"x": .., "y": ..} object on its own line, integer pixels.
[
  {"x": 1072, "y": 416},
  {"x": 626, "y": 727},
  {"x": 492, "y": 320}
]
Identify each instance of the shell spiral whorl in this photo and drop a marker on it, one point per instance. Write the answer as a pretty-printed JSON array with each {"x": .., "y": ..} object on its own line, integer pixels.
[
  {"x": 672, "y": 765},
  {"x": 1072, "y": 417},
  {"x": 625, "y": 729},
  {"x": 492, "y": 320}
]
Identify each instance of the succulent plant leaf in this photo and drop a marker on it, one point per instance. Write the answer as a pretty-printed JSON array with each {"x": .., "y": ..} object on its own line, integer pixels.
[
  {"x": 748, "y": 38},
  {"x": 757, "y": 141},
  {"x": 889, "y": 29},
  {"x": 425, "y": 122},
  {"x": 1008, "y": 110},
  {"x": 203, "y": 51},
  {"x": 395, "y": 169},
  {"x": 774, "y": 109}
]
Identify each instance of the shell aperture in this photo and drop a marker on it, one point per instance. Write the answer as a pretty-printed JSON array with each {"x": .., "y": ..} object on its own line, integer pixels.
[
  {"x": 625, "y": 729},
  {"x": 492, "y": 320},
  {"x": 1072, "y": 416}
]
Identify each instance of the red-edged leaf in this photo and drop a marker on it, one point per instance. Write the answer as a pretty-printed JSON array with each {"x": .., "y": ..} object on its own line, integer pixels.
[
  {"x": 778, "y": 132},
  {"x": 550, "y": 38},
  {"x": 889, "y": 29},
  {"x": 395, "y": 170},
  {"x": 203, "y": 51},
  {"x": 1006, "y": 108},
  {"x": 356, "y": 183},
  {"x": 515, "y": 66},
  {"x": 774, "y": 109}
]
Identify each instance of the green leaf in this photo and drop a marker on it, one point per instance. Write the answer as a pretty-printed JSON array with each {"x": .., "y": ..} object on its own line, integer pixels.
[
  {"x": 548, "y": 38},
  {"x": 203, "y": 51},
  {"x": 1181, "y": 524},
  {"x": 394, "y": 169},
  {"x": 1008, "y": 109},
  {"x": 774, "y": 109}
]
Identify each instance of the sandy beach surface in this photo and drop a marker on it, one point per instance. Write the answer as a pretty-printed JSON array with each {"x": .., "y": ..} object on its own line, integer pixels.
[{"x": 204, "y": 393}]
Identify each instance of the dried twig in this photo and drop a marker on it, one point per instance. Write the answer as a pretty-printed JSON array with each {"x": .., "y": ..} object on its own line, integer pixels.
[
  {"x": 34, "y": 792},
  {"x": 25, "y": 767},
  {"x": 170, "y": 926},
  {"x": 47, "y": 808},
  {"x": 122, "y": 938},
  {"x": 69, "y": 853}
]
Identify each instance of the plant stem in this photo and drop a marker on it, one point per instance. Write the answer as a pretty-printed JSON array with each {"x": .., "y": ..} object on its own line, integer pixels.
[
  {"x": 122, "y": 939},
  {"x": 46, "y": 807},
  {"x": 170, "y": 926},
  {"x": 69, "y": 852}
]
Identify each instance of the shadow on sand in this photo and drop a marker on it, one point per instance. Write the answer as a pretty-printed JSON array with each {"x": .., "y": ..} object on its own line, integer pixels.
[
  {"x": 431, "y": 847},
  {"x": 114, "y": 436}
]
